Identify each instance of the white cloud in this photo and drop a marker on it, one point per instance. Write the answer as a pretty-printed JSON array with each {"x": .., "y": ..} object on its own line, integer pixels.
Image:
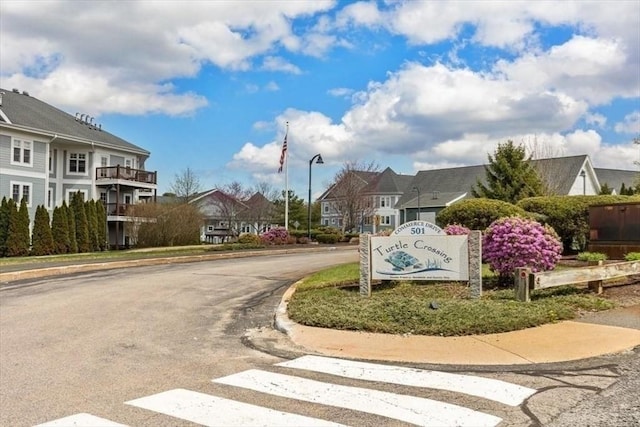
[
  {"x": 125, "y": 51},
  {"x": 340, "y": 92},
  {"x": 274, "y": 63},
  {"x": 595, "y": 119},
  {"x": 630, "y": 124}
]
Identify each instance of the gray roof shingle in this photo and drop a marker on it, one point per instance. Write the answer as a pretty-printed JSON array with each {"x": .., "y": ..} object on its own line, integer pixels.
[{"x": 28, "y": 112}]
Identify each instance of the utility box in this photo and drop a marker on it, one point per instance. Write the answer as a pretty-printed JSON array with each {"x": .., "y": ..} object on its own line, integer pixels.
[{"x": 614, "y": 229}]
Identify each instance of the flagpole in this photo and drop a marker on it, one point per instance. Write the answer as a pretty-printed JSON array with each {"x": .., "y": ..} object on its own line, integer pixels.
[{"x": 286, "y": 183}]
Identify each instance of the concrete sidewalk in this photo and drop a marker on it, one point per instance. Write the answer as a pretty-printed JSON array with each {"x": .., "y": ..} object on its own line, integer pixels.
[{"x": 559, "y": 342}]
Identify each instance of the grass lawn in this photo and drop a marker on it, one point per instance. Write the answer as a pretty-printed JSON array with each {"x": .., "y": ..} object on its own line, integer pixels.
[{"x": 331, "y": 299}]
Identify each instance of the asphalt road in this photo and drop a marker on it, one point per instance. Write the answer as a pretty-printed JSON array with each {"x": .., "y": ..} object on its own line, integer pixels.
[{"x": 89, "y": 342}]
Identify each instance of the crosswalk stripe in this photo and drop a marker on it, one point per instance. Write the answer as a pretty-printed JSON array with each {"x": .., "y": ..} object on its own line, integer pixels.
[
  {"x": 81, "y": 420},
  {"x": 210, "y": 410},
  {"x": 416, "y": 410},
  {"x": 487, "y": 388}
]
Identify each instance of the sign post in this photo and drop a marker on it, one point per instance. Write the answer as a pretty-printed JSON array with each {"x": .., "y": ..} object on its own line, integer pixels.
[{"x": 419, "y": 250}]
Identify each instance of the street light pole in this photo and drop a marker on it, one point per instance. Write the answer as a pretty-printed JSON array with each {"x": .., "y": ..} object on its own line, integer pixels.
[
  {"x": 318, "y": 159},
  {"x": 416, "y": 189}
]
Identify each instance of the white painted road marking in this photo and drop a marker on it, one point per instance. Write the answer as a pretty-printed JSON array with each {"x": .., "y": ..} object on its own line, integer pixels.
[
  {"x": 487, "y": 388},
  {"x": 416, "y": 410},
  {"x": 209, "y": 410},
  {"x": 81, "y": 420}
]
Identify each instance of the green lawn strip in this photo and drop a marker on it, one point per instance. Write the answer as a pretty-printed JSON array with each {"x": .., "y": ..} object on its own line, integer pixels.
[
  {"x": 128, "y": 254},
  {"x": 404, "y": 307}
]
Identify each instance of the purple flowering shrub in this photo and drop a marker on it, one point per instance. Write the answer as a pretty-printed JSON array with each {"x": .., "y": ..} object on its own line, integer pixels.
[
  {"x": 513, "y": 242},
  {"x": 456, "y": 230},
  {"x": 275, "y": 236}
]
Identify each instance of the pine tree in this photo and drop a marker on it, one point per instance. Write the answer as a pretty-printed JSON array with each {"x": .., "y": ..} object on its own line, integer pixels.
[
  {"x": 60, "y": 231},
  {"x": 510, "y": 176},
  {"x": 71, "y": 228},
  {"x": 101, "y": 216},
  {"x": 4, "y": 225},
  {"x": 41, "y": 238},
  {"x": 82, "y": 225},
  {"x": 92, "y": 222},
  {"x": 18, "y": 238},
  {"x": 605, "y": 189}
]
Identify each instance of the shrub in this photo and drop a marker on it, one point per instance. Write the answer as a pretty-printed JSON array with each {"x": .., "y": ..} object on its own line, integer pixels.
[
  {"x": 514, "y": 242},
  {"x": 250, "y": 238},
  {"x": 41, "y": 237},
  {"x": 328, "y": 238},
  {"x": 591, "y": 256},
  {"x": 275, "y": 236},
  {"x": 303, "y": 240},
  {"x": 477, "y": 214},
  {"x": 18, "y": 238},
  {"x": 632, "y": 256},
  {"x": 456, "y": 230}
]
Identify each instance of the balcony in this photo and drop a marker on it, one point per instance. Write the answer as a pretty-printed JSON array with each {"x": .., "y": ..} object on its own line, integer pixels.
[
  {"x": 118, "y": 209},
  {"x": 121, "y": 173}
]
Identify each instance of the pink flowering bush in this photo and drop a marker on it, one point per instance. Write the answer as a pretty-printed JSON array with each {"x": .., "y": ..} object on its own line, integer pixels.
[
  {"x": 456, "y": 230},
  {"x": 275, "y": 236},
  {"x": 513, "y": 242}
]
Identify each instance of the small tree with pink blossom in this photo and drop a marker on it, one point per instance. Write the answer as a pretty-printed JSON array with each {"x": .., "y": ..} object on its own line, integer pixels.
[
  {"x": 512, "y": 242},
  {"x": 456, "y": 230},
  {"x": 275, "y": 236}
]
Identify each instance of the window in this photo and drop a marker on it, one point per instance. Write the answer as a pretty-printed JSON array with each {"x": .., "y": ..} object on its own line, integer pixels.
[
  {"x": 50, "y": 161},
  {"x": 21, "y": 153},
  {"x": 209, "y": 228},
  {"x": 325, "y": 206},
  {"x": 325, "y": 222},
  {"x": 21, "y": 190},
  {"x": 385, "y": 220},
  {"x": 103, "y": 198},
  {"x": 49, "y": 198},
  {"x": 385, "y": 202},
  {"x": 78, "y": 163}
]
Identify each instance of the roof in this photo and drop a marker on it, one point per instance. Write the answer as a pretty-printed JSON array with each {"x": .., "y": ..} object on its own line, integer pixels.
[
  {"x": 388, "y": 182},
  {"x": 23, "y": 111},
  {"x": 615, "y": 177},
  {"x": 558, "y": 172},
  {"x": 432, "y": 200}
]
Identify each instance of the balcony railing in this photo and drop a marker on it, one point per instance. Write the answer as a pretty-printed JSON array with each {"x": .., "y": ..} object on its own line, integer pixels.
[
  {"x": 118, "y": 209},
  {"x": 127, "y": 174}
]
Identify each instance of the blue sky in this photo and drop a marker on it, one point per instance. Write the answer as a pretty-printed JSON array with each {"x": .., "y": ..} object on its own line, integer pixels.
[{"x": 412, "y": 85}]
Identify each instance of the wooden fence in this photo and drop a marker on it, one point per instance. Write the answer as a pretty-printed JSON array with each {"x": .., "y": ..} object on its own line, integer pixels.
[{"x": 527, "y": 281}]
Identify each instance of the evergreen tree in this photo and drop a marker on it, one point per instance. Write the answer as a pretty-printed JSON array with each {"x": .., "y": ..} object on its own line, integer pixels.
[
  {"x": 60, "y": 231},
  {"x": 510, "y": 176},
  {"x": 18, "y": 238},
  {"x": 605, "y": 189},
  {"x": 101, "y": 216},
  {"x": 41, "y": 238},
  {"x": 82, "y": 225},
  {"x": 623, "y": 190},
  {"x": 71, "y": 228},
  {"x": 4, "y": 225},
  {"x": 92, "y": 221}
]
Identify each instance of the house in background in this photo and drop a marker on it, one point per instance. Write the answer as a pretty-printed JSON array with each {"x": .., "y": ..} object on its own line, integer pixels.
[
  {"x": 564, "y": 176},
  {"x": 368, "y": 197},
  {"x": 226, "y": 218},
  {"x": 46, "y": 155}
]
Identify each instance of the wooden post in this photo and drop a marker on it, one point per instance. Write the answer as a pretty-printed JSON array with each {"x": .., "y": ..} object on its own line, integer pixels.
[
  {"x": 522, "y": 284},
  {"x": 596, "y": 285}
]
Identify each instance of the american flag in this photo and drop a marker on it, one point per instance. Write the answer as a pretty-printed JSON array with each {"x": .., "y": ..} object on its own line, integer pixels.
[{"x": 283, "y": 154}]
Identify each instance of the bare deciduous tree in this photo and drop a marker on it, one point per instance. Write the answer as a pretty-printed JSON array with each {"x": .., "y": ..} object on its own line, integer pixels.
[
  {"x": 544, "y": 149},
  {"x": 347, "y": 195},
  {"x": 185, "y": 185}
]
